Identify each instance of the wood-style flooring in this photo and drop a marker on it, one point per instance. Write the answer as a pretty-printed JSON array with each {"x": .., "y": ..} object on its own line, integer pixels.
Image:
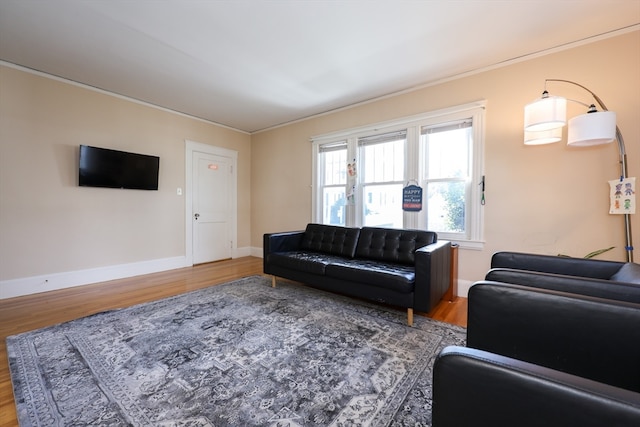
[{"x": 30, "y": 312}]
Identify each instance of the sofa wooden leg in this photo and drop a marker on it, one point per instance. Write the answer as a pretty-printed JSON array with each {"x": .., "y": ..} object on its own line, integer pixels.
[
  {"x": 273, "y": 281},
  {"x": 410, "y": 316}
]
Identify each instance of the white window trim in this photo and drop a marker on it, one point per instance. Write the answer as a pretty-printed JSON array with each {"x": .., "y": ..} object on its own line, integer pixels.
[{"x": 412, "y": 124}]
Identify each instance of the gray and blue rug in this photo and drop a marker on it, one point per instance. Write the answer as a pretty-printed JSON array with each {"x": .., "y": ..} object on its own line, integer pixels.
[{"x": 238, "y": 354}]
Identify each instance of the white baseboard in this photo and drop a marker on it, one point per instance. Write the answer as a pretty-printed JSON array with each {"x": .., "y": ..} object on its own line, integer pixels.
[
  {"x": 257, "y": 252},
  {"x": 36, "y": 284},
  {"x": 463, "y": 288},
  {"x": 242, "y": 252}
]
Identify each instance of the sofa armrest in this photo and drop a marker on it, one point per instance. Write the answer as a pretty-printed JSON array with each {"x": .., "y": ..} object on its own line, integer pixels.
[
  {"x": 586, "y": 336},
  {"x": 476, "y": 388},
  {"x": 597, "y": 269},
  {"x": 433, "y": 272},
  {"x": 600, "y": 288},
  {"x": 279, "y": 242}
]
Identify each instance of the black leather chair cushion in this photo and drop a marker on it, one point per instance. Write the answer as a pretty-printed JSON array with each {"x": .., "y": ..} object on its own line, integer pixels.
[
  {"x": 330, "y": 239},
  {"x": 473, "y": 388},
  {"x": 398, "y": 277},
  {"x": 308, "y": 262},
  {"x": 600, "y": 288},
  {"x": 397, "y": 246},
  {"x": 581, "y": 267}
]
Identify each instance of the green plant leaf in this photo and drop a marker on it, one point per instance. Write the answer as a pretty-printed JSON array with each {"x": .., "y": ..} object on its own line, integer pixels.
[{"x": 598, "y": 252}]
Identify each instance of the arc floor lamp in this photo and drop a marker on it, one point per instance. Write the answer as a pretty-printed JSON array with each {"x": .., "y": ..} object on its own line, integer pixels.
[{"x": 545, "y": 117}]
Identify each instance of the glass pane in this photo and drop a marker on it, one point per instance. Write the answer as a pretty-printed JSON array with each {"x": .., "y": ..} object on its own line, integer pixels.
[
  {"x": 333, "y": 206},
  {"x": 335, "y": 167},
  {"x": 382, "y": 205},
  {"x": 384, "y": 162},
  {"x": 448, "y": 153},
  {"x": 446, "y": 207}
]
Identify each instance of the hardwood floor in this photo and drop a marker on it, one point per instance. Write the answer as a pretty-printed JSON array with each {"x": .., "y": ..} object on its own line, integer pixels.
[{"x": 30, "y": 312}]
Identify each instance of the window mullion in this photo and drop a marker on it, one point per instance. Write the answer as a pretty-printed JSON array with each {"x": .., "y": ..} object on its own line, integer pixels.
[{"x": 351, "y": 206}]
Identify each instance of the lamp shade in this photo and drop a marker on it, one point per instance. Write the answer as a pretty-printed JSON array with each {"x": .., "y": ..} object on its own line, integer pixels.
[
  {"x": 592, "y": 129},
  {"x": 546, "y": 113},
  {"x": 543, "y": 136}
]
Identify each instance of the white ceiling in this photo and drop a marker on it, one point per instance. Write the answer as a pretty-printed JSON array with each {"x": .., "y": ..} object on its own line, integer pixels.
[{"x": 255, "y": 64}]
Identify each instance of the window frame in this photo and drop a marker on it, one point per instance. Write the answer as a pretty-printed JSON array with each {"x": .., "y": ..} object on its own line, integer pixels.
[
  {"x": 322, "y": 185},
  {"x": 369, "y": 141},
  {"x": 414, "y": 164}
]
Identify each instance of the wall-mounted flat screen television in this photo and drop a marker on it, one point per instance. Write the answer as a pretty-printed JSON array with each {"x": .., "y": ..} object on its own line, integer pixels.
[{"x": 103, "y": 167}]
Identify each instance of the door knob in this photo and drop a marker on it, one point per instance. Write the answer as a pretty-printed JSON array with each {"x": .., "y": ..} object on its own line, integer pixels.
[{"x": 197, "y": 216}]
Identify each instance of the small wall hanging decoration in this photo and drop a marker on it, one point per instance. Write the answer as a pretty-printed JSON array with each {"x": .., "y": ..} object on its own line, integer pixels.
[
  {"x": 412, "y": 198},
  {"x": 622, "y": 196},
  {"x": 352, "y": 175}
]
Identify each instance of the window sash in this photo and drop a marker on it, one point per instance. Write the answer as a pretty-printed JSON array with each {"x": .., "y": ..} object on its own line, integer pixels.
[
  {"x": 447, "y": 190},
  {"x": 445, "y": 127},
  {"x": 382, "y": 138}
]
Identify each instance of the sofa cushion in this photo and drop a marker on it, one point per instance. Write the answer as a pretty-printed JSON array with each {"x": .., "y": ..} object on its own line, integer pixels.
[
  {"x": 629, "y": 273},
  {"x": 392, "y": 245},
  {"x": 306, "y": 261},
  {"x": 330, "y": 239},
  {"x": 400, "y": 278}
]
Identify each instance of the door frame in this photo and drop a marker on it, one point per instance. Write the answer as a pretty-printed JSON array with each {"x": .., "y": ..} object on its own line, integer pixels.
[{"x": 190, "y": 148}]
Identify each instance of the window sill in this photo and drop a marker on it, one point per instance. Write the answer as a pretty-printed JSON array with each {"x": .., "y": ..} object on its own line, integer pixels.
[{"x": 474, "y": 245}]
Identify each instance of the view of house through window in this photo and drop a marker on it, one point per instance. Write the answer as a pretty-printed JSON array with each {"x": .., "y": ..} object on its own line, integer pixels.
[
  {"x": 382, "y": 164},
  {"x": 446, "y": 176},
  {"x": 360, "y": 175},
  {"x": 334, "y": 180}
]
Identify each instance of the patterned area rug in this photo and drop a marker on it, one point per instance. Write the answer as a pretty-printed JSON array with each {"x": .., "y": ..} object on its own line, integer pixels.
[{"x": 237, "y": 354}]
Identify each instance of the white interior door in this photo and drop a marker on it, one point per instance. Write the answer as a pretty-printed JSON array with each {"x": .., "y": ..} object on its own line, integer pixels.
[{"x": 212, "y": 207}]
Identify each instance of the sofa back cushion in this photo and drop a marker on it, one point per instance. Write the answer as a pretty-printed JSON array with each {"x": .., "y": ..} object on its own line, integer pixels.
[
  {"x": 392, "y": 245},
  {"x": 330, "y": 239}
]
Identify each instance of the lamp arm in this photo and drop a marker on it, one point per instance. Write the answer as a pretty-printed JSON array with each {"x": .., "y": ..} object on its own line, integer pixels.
[
  {"x": 621, "y": 147},
  {"x": 584, "y": 104},
  {"x": 623, "y": 153},
  {"x": 596, "y": 97}
]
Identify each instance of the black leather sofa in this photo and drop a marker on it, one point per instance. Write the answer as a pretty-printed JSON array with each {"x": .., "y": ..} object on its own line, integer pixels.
[
  {"x": 405, "y": 268},
  {"x": 541, "y": 356}
]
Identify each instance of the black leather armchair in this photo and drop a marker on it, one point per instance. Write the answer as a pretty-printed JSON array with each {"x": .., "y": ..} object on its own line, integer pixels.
[
  {"x": 476, "y": 388},
  {"x": 542, "y": 357},
  {"x": 591, "y": 337}
]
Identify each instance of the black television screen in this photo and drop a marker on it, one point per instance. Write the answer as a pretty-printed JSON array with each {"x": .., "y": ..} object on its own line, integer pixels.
[{"x": 102, "y": 167}]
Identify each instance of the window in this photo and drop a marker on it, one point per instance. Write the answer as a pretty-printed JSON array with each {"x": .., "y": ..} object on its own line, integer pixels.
[
  {"x": 382, "y": 159},
  {"x": 446, "y": 175},
  {"x": 359, "y": 174},
  {"x": 333, "y": 160}
]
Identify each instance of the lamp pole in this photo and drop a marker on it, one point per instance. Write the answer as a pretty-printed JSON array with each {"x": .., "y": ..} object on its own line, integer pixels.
[{"x": 623, "y": 165}]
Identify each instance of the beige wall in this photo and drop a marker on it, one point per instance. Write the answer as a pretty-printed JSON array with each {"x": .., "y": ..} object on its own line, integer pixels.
[
  {"x": 50, "y": 225},
  {"x": 546, "y": 199}
]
